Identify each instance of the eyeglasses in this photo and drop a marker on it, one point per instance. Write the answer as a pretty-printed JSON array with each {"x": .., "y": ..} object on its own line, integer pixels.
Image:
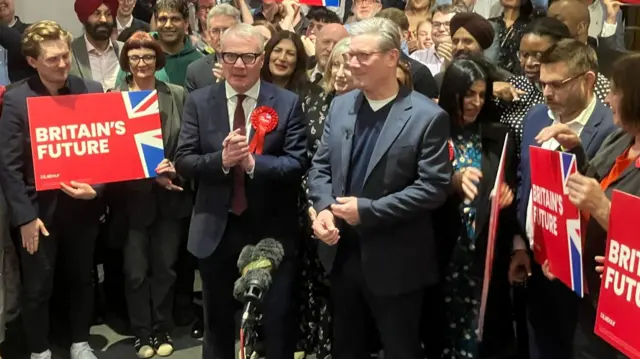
[
  {"x": 366, "y": 2},
  {"x": 147, "y": 59},
  {"x": 526, "y": 55},
  {"x": 556, "y": 85},
  {"x": 437, "y": 25},
  {"x": 247, "y": 59},
  {"x": 361, "y": 56},
  {"x": 217, "y": 31}
]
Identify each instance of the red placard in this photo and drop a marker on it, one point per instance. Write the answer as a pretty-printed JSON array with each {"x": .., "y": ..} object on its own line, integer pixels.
[
  {"x": 491, "y": 240},
  {"x": 94, "y": 138},
  {"x": 619, "y": 301},
  {"x": 556, "y": 221}
]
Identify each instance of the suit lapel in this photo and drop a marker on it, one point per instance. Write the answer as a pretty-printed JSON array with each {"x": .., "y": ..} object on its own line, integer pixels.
[
  {"x": 266, "y": 97},
  {"x": 590, "y": 129},
  {"x": 348, "y": 127},
  {"x": 397, "y": 118},
  {"x": 220, "y": 112},
  {"x": 81, "y": 54}
]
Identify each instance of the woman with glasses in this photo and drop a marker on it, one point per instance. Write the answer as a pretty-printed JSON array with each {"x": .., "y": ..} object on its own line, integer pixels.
[
  {"x": 537, "y": 38},
  {"x": 157, "y": 209}
]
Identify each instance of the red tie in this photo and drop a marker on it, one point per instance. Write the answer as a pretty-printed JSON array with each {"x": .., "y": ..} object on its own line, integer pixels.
[{"x": 239, "y": 200}]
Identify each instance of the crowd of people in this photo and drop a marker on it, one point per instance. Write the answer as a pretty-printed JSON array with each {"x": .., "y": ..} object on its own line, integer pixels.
[{"x": 374, "y": 170}]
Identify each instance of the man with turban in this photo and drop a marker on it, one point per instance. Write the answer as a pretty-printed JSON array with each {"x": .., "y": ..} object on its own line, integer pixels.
[
  {"x": 471, "y": 34},
  {"x": 95, "y": 55}
]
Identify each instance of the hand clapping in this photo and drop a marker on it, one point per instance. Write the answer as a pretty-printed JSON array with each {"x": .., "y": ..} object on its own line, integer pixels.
[{"x": 236, "y": 152}]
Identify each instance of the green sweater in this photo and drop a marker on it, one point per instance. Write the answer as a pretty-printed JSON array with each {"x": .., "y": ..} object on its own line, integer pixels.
[{"x": 175, "y": 68}]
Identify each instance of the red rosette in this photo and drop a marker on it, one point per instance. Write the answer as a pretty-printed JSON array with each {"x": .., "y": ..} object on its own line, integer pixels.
[{"x": 264, "y": 119}]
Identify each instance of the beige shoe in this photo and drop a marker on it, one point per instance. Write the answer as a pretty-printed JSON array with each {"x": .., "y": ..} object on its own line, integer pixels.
[
  {"x": 163, "y": 344},
  {"x": 144, "y": 348}
]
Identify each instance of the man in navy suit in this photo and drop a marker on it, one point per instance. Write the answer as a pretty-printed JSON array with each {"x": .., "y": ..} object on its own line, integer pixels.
[
  {"x": 567, "y": 73},
  {"x": 242, "y": 196},
  {"x": 52, "y": 223},
  {"x": 382, "y": 167}
]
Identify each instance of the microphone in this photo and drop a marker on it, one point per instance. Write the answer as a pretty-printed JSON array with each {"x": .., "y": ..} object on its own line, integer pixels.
[{"x": 267, "y": 254}]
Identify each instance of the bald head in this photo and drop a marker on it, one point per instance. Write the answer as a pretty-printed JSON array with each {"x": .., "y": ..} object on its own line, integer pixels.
[
  {"x": 326, "y": 39},
  {"x": 574, "y": 14}
]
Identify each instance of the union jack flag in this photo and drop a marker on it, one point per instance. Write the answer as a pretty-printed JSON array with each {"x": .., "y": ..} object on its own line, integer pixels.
[
  {"x": 140, "y": 105},
  {"x": 574, "y": 241}
]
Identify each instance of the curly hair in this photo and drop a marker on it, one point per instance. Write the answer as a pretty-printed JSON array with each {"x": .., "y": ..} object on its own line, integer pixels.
[{"x": 45, "y": 30}]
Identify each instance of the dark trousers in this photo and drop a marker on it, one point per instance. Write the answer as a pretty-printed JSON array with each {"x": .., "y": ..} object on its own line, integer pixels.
[
  {"x": 70, "y": 245},
  {"x": 587, "y": 345},
  {"x": 219, "y": 271},
  {"x": 552, "y": 317},
  {"x": 397, "y": 318},
  {"x": 150, "y": 255}
]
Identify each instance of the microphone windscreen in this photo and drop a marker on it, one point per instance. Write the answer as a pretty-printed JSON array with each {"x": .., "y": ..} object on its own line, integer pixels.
[
  {"x": 239, "y": 288},
  {"x": 260, "y": 278},
  {"x": 246, "y": 256},
  {"x": 271, "y": 249}
]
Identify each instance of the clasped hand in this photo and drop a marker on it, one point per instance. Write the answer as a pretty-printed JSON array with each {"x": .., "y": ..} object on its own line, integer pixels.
[
  {"x": 166, "y": 173},
  {"x": 78, "y": 190},
  {"x": 468, "y": 180},
  {"x": 235, "y": 151}
]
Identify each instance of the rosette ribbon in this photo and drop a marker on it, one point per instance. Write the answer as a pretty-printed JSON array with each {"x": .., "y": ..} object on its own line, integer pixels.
[{"x": 264, "y": 119}]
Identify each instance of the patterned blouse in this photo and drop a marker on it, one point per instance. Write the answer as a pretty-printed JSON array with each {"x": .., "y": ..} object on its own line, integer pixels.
[
  {"x": 510, "y": 43},
  {"x": 514, "y": 113}
]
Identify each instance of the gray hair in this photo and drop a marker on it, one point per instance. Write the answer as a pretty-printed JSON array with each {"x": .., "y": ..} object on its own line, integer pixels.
[
  {"x": 245, "y": 32},
  {"x": 387, "y": 31},
  {"x": 223, "y": 10}
]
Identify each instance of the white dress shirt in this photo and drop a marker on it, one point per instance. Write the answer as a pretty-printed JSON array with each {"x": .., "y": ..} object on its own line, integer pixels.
[
  {"x": 120, "y": 28},
  {"x": 248, "y": 105},
  {"x": 104, "y": 65},
  {"x": 576, "y": 125}
]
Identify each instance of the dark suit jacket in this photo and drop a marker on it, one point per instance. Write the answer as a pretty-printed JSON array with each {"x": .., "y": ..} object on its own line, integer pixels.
[
  {"x": 16, "y": 165},
  {"x": 407, "y": 177},
  {"x": 272, "y": 193},
  {"x": 136, "y": 25},
  {"x": 422, "y": 78},
  {"x": 200, "y": 73},
  {"x": 144, "y": 199},
  {"x": 599, "y": 126},
  {"x": 10, "y": 39},
  {"x": 499, "y": 337}
]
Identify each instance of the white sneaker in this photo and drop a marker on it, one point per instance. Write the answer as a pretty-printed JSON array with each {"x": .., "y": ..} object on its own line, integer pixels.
[
  {"x": 43, "y": 355},
  {"x": 82, "y": 351}
]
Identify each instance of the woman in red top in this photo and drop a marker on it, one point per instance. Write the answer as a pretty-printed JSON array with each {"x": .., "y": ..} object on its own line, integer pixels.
[{"x": 615, "y": 167}]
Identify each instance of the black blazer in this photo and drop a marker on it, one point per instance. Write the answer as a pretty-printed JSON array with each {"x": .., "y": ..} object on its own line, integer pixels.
[
  {"x": 422, "y": 78},
  {"x": 143, "y": 199},
  {"x": 136, "y": 25},
  {"x": 10, "y": 39},
  {"x": 200, "y": 73},
  {"x": 498, "y": 340},
  {"x": 16, "y": 164}
]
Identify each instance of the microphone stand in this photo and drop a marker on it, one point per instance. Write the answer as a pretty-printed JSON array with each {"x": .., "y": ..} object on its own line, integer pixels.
[{"x": 248, "y": 334}]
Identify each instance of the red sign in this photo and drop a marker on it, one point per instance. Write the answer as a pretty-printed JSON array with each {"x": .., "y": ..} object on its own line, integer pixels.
[
  {"x": 556, "y": 221},
  {"x": 94, "y": 138},
  {"x": 491, "y": 241},
  {"x": 619, "y": 303}
]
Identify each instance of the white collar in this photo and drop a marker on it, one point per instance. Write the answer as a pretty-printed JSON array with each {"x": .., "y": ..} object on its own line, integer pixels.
[
  {"x": 253, "y": 92},
  {"x": 13, "y": 23},
  {"x": 125, "y": 26},
  {"x": 90, "y": 46},
  {"x": 582, "y": 118}
]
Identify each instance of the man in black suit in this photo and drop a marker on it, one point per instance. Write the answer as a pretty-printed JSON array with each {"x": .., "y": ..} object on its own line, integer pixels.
[
  {"x": 382, "y": 167},
  {"x": 58, "y": 222},
  {"x": 243, "y": 195},
  {"x": 200, "y": 72},
  {"x": 125, "y": 20}
]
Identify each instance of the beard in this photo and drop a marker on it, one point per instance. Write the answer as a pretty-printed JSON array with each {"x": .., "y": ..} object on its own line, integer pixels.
[{"x": 99, "y": 31}]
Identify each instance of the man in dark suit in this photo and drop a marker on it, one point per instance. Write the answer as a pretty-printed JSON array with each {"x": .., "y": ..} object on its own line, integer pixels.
[
  {"x": 124, "y": 20},
  {"x": 568, "y": 71},
  {"x": 381, "y": 169},
  {"x": 57, "y": 222},
  {"x": 243, "y": 195},
  {"x": 200, "y": 72},
  {"x": 11, "y": 29}
]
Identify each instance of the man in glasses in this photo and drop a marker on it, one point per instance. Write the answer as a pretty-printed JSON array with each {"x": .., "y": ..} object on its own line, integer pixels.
[
  {"x": 243, "y": 141},
  {"x": 171, "y": 22},
  {"x": 567, "y": 77},
  {"x": 219, "y": 19}
]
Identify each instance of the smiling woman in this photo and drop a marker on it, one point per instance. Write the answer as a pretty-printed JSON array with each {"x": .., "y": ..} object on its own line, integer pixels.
[{"x": 286, "y": 62}]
